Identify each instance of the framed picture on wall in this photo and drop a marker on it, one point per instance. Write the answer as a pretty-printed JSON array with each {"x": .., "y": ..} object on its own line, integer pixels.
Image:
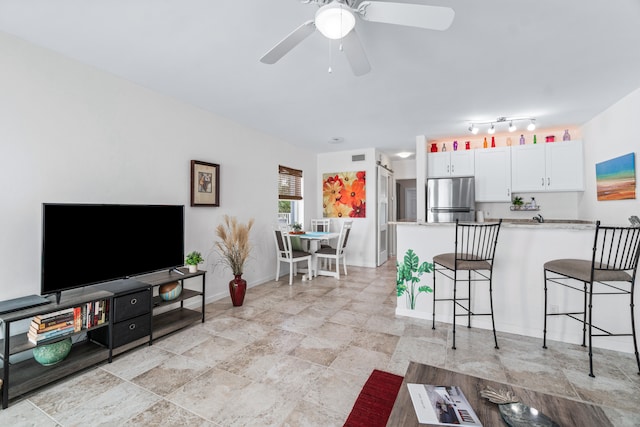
[{"x": 205, "y": 184}]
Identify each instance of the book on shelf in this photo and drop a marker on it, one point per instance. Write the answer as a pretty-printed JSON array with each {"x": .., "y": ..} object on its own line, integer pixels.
[
  {"x": 35, "y": 338},
  {"x": 442, "y": 406},
  {"x": 51, "y": 317},
  {"x": 38, "y": 329}
]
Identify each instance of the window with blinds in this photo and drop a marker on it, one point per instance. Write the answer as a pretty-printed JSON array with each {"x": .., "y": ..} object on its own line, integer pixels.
[{"x": 289, "y": 183}]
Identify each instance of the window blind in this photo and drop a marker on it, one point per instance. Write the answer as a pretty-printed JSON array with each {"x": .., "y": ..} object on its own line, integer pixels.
[{"x": 289, "y": 183}]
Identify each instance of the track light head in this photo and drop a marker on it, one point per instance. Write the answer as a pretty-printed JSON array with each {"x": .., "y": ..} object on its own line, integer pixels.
[
  {"x": 532, "y": 125},
  {"x": 473, "y": 129},
  {"x": 512, "y": 127},
  {"x": 492, "y": 129}
]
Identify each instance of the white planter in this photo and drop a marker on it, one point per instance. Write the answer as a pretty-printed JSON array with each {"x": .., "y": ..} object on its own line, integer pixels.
[{"x": 193, "y": 268}]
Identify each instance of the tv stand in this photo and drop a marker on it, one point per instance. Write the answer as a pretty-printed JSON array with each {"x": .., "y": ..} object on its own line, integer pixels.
[
  {"x": 20, "y": 377},
  {"x": 141, "y": 315}
]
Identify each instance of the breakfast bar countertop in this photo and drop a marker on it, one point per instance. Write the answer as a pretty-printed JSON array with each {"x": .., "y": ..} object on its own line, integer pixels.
[{"x": 565, "y": 224}]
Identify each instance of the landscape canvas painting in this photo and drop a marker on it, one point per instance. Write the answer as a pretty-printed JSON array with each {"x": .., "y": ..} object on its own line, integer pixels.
[
  {"x": 616, "y": 178},
  {"x": 344, "y": 195}
]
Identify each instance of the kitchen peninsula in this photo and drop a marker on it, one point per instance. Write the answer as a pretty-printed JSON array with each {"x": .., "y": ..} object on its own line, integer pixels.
[{"x": 518, "y": 280}]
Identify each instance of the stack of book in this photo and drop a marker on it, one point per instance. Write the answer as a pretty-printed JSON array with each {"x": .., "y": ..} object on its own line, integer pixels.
[
  {"x": 68, "y": 321},
  {"x": 54, "y": 324}
]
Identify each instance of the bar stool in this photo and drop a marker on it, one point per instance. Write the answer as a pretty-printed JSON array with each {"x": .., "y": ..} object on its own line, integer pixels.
[
  {"x": 611, "y": 271},
  {"x": 475, "y": 247}
]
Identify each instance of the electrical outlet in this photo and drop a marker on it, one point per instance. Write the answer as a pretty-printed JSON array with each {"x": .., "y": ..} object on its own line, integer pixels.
[{"x": 554, "y": 309}]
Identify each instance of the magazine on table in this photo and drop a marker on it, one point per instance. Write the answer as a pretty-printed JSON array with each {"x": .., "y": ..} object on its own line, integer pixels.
[{"x": 442, "y": 406}]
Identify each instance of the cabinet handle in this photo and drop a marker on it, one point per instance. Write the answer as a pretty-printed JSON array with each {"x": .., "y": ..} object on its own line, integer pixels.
[
  {"x": 548, "y": 182},
  {"x": 452, "y": 168},
  {"x": 132, "y": 326},
  {"x": 508, "y": 193},
  {"x": 447, "y": 168},
  {"x": 542, "y": 181},
  {"x": 134, "y": 301}
]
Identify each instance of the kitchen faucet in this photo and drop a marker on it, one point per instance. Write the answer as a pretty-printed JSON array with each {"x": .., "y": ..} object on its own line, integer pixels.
[{"x": 538, "y": 218}]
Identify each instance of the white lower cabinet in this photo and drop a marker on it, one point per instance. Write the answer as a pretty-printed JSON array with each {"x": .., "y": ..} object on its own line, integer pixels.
[{"x": 493, "y": 174}]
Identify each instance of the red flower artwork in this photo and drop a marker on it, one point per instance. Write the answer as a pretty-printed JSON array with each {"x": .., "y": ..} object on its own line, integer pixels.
[{"x": 344, "y": 194}]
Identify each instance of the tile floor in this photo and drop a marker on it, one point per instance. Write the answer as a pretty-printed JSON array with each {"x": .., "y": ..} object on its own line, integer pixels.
[{"x": 299, "y": 355}]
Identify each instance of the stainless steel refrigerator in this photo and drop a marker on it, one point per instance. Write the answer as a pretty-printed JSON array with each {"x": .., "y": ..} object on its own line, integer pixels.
[{"x": 449, "y": 199}]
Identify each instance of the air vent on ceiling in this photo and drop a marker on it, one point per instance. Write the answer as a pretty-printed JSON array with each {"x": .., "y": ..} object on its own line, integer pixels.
[{"x": 357, "y": 158}]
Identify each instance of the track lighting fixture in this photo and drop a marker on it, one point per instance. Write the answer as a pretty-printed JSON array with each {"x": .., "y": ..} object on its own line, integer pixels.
[{"x": 473, "y": 127}]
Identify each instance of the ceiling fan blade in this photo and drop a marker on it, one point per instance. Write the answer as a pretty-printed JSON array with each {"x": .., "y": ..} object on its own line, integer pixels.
[
  {"x": 289, "y": 42},
  {"x": 412, "y": 15},
  {"x": 355, "y": 54}
]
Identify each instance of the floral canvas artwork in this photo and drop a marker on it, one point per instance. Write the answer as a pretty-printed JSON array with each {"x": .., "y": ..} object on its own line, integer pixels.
[
  {"x": 616, "y": 178},
  {"x": 344, "y": 195}
]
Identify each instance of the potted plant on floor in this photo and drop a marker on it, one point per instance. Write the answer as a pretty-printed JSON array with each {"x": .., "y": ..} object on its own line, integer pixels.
[
  {"x": 193, "y": 259},
  {"x": 234, "y": 247}
]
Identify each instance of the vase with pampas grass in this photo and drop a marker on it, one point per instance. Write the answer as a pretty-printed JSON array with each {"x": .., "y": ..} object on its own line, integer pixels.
[{"x": 234, "y": 247}]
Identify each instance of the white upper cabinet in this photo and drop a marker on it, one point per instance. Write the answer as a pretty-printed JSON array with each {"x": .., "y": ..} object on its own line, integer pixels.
[
  {"x": 450, "y": 163},
  {"x": 557, "y": 166},
  {"x": 565, "y": 166},
  {"x": 493, "y": 174}
]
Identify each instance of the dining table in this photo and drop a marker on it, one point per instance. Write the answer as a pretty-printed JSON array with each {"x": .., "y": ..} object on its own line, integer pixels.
[{"x": 313, "y": 239}]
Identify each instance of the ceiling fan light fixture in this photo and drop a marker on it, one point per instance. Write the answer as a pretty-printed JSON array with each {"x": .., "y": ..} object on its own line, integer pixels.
[{"x": 334, "y": 20}]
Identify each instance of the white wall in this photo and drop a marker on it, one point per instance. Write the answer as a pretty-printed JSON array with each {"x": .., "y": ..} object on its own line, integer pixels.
[
  {"x": 69, "y": 133},
  {"x": 611, "y": 134},
  {"x": 362, "y": 240}
]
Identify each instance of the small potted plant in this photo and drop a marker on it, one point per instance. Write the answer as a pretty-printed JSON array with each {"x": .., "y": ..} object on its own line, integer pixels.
[
  {"x": 297, "y": 228},
  {"x": 517, "y": 203},
  {"x": 193, "y": 259}
]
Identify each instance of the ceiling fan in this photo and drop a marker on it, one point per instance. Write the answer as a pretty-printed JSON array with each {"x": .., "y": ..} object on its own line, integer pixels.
[{"x": 336, "y": 20}]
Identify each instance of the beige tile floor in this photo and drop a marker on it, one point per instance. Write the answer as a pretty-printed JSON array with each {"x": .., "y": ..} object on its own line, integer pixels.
[{"x": 299, "y": 355}]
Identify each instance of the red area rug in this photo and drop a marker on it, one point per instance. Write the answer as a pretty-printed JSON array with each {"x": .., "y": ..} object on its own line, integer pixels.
[{"x": 373, "y": 405}]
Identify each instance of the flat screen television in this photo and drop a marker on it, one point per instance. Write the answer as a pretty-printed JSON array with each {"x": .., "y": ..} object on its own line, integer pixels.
[{"x": 85, "y": 244}]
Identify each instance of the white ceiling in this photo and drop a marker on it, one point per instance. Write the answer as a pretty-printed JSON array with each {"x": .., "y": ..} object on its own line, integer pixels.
[{"x": 562, "y": 61}]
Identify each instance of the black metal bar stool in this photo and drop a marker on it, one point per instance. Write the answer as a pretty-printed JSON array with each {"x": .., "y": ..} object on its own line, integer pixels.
[
  {"x": 611, "y": 271},
  {"x": 475, "y": 247}
]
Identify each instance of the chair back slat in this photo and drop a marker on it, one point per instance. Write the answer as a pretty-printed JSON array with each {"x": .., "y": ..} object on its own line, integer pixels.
[
  {"x": 616, "y": 248},
  {"x": 320, "y": 225},
  {"x": 283, "y": 242},
  {"x": 344, "y": 234},
  {"x": 476, "y": 242}
]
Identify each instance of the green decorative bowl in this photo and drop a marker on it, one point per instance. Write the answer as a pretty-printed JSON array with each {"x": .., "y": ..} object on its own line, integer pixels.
[{"x": 50, "y": 354}]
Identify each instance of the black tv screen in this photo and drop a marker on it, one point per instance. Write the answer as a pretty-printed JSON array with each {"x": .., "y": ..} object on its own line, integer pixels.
[{"x": 85, "y": 244}]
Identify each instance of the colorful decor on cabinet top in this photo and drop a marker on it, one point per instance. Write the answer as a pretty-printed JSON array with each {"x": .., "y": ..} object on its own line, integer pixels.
[
  {"x": 616, "y": 178},
  {"x": 344, "y": 195}
]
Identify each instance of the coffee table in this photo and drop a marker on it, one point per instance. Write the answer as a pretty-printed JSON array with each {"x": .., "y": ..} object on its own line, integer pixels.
[{"x": 565, "y": 412}]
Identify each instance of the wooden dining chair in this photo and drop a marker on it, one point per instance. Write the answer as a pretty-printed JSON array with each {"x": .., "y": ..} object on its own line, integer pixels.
[
  {"x": 337, "y": 253},
  {"x": 286, "y": 253}
]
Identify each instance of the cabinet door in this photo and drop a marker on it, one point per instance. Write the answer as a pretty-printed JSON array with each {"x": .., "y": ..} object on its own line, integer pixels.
[
  {"x": 438, "y": 165},
  {"x": 493, "y": 175},
  {"x": 565, "y": 166},
  {"x": 528, "y": 168},
  {"x": 462, "y": 163}
]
